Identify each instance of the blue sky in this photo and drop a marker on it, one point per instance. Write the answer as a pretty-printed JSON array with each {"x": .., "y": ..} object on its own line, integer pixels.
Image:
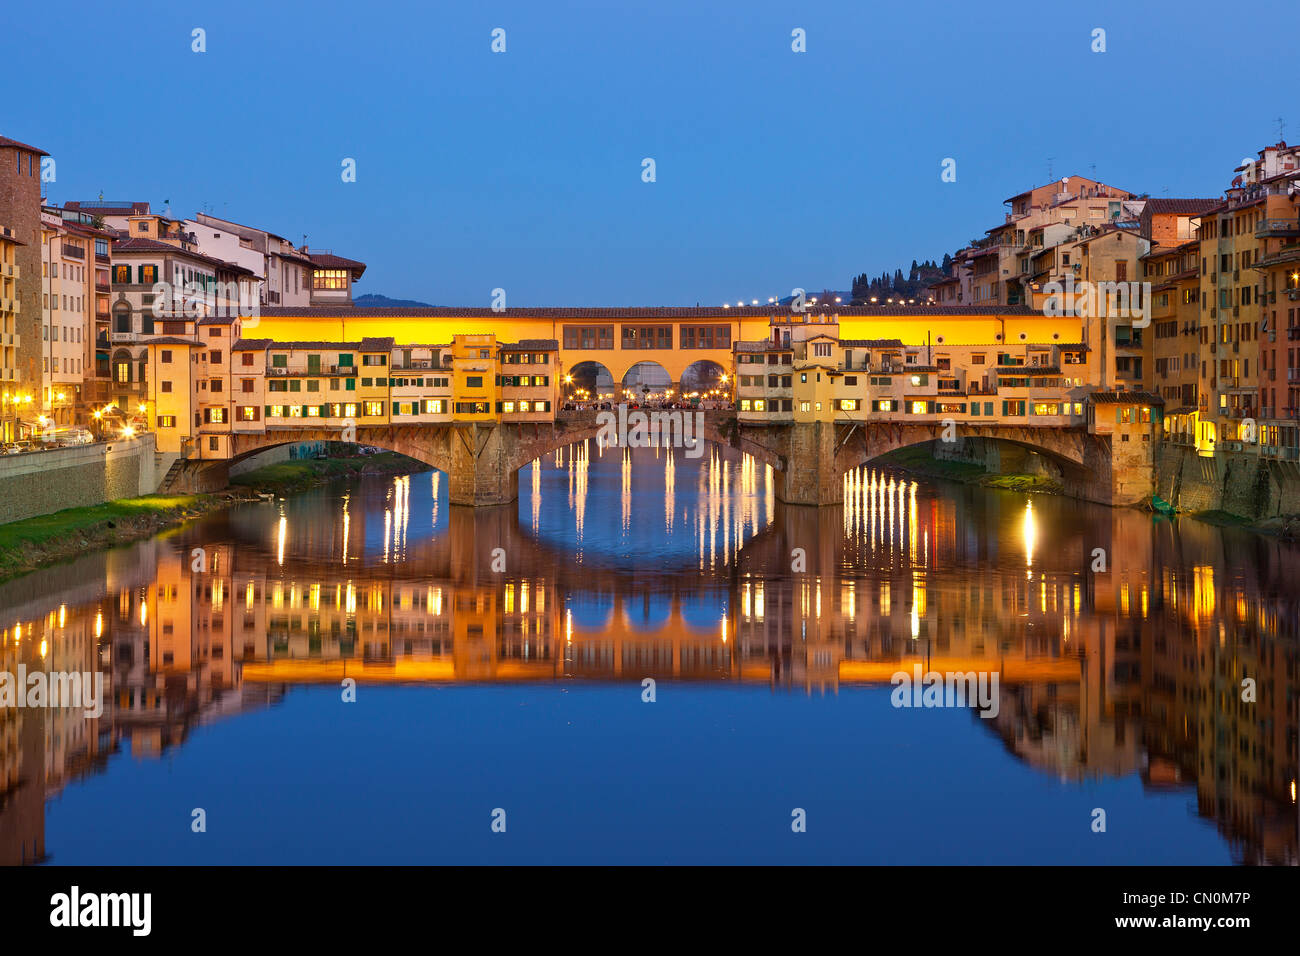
[{"x": 522, "y": 170}]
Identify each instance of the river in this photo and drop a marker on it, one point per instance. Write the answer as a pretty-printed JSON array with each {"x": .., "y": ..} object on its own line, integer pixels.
[{"x": 648, "y": 659}]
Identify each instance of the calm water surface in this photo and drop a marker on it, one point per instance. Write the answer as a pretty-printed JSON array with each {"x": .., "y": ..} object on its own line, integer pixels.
[{"x": 499, "y": 658}]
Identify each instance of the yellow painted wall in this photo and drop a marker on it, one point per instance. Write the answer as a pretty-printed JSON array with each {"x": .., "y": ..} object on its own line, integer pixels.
[{"x": 912, "y": 329}]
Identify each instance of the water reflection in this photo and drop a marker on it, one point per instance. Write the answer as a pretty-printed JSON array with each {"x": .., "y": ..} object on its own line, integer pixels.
[{"x": 618, "y": 565}]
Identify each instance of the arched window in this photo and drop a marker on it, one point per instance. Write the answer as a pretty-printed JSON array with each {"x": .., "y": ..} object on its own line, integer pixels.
[
  {"x": 121, "y": 317},
  {"x": 122, "y": 367}
]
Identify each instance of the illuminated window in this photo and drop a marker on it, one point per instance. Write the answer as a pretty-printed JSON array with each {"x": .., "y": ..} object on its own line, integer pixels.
[
  {"x": 247, "y": 413},
  {"x": 918, "y": 408},
  {"x": 350, "y": 410},
  {"x": 374, "y": 408},
  {"x": 804, "y": 406},
  {"x": 313, "y": 411},
  {"x": 508, "y": 407},
  {"x": 760, "y": 405},
  {"x": 433, "y": 406},
  {"x": 848, "y": 405},
  {"x": 744, "y": 405},
  {"x": 330, "y": 279},
  {"x": 277, "y": 411},
  {"x": 525, "y": 406},
  {"x": 886, "y": 405}
]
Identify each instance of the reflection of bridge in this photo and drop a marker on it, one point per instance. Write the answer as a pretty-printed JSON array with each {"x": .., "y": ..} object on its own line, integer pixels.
[
  {"x": 810, "y": 459},
  {"x": 1119, "y": 673}
]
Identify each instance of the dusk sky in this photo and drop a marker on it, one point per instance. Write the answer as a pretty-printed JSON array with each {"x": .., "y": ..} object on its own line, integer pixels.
[{"x": 523, "y": 169}]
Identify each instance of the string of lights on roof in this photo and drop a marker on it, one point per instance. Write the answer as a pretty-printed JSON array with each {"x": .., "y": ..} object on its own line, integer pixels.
[{"x": 812, "y": 300}]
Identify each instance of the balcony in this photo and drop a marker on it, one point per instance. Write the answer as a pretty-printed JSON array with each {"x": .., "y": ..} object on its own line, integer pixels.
[
  {"x": 102, "y": 285},
  {"x": 74, "y": 252},
  {"x": 102, "y": 259},
  {"x": 1277, "y": 227}
]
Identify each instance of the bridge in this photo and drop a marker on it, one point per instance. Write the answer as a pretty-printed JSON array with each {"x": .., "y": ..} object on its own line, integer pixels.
[
  {"x": 500, "y": 393},
  {"x": 809, "y": 459}
]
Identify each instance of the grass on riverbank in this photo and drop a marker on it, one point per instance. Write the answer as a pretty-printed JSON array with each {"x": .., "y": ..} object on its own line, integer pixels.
[
  {"x": 917, "y": 459},
  {"x": 33, "y": 542},
  {"x": 289, "y": 476}
]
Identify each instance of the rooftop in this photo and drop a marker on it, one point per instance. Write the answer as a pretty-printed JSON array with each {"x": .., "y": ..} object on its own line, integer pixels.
[{"x": 716, "y": 313}]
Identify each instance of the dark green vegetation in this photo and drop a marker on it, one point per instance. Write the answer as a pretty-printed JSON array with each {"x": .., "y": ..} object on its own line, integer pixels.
[
  {"x": 31, "y": 543},
  {"x": 917, "y": 460},
  {"x": 290, "y": 476}
]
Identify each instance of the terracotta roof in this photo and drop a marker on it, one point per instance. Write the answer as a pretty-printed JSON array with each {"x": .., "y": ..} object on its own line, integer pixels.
[
  {"x": 135, "y": 209},
  {"x": 717, "y": 314},
  {"x": 872, "y": 343},
  {"x": 251, "y": 345},
  {"x": 542, "y": 344},
  {"x": 82, "y": 229},
  {"x": 1125, "y": 398},
  {"x": 1179, "y": 207},
  {"x": 14, "y": 144},
  {"x": 144, "y": 244},
  {"x": 171, "y": 340},
  {"x": 369, "y": 344}
]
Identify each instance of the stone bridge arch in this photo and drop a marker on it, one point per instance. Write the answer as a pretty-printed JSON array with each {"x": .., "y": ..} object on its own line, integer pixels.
[
  {"x": 859, "y": 444},
  {"x": 1083, "y": 462},
  {"x": 572, "y": 427}
]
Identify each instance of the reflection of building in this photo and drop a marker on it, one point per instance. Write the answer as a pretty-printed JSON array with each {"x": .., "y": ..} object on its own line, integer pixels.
[{"x": 1129, "y": 668}]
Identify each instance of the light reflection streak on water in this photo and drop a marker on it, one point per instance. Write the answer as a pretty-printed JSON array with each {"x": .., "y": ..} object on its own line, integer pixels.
[
  {"x": 670, "y": 487},
  {"x": 625, "y": 499},
  {"x": 537, "y": 493}
]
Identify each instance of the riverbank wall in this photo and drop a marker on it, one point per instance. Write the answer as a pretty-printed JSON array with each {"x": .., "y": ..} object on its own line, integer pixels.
[
  {"x": 1240, "y": 483},
  {"x": 42, "y": 482}
]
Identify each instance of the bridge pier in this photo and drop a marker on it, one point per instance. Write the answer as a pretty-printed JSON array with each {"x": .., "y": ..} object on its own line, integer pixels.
[
  {"x": 810, "y": 476},
  {"x": 480, "y": 467}
]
